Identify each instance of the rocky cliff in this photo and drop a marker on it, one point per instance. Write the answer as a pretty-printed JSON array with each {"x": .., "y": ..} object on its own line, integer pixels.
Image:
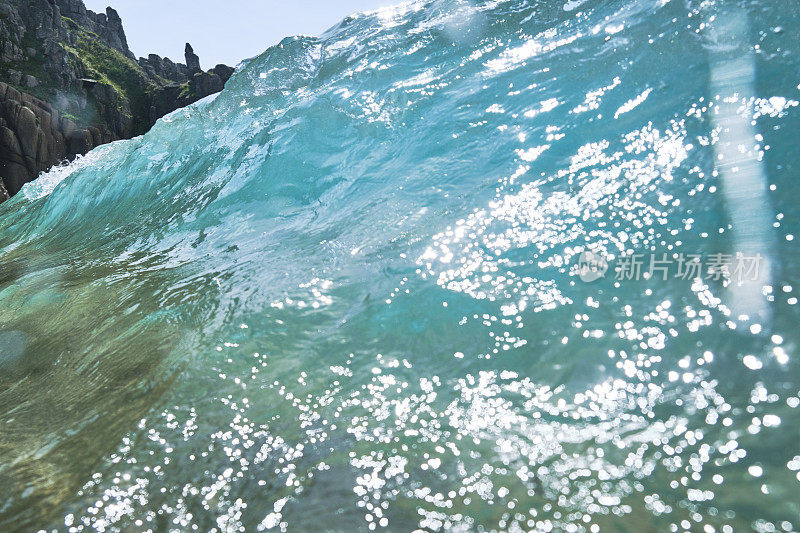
[{"x": 69, "y": 82}]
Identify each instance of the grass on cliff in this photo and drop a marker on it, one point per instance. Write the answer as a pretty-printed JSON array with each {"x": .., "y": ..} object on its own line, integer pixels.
[
  {"x": 186, "y": 91},
  {"x": 110, "y": 67},
  {"x": 33, "y": 66}
]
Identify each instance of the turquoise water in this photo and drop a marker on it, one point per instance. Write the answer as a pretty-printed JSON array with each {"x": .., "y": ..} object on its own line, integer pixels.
[{"x": 345, "y": 294}]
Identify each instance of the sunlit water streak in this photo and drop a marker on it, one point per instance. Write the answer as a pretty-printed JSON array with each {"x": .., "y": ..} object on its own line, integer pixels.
[
  {"x": 345, "y": 291},
  {"x": 739, "y": 156}
]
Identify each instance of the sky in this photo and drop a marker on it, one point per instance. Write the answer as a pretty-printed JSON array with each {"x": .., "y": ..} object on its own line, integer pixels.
[{"x": 227, "y": 31}]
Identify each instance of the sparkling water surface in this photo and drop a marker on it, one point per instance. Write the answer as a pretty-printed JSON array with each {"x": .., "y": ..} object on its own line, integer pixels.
[{"x": 344, "y": 294}]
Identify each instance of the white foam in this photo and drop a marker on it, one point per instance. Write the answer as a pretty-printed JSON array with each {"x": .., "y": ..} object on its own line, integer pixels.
[{"x": 48, "y": 181}]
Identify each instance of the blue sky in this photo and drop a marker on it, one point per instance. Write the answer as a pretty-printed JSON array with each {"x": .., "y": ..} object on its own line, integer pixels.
[{"x": 228, "y": 31}]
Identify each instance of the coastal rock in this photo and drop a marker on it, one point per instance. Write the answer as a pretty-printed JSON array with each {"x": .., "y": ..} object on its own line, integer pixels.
[
  {"x": 167, "y": 99},
  {"x": 31, "y": 137},
  {"x": 70, "y": 83},
  {"x": 10, "y": 144},
  {"x": 115, "y": 34},
  {"x": 15, "y": 77},
  {"x": 164, "y": 68},
  {"x": 206, "y": 83},
  {"x": 80, "y": 141},
  {"x": 12, "y": 164},
  {"x": 224, "y": 72},
  {"x": 192, "y": 61},
  {"x": 28, "y": 135}
]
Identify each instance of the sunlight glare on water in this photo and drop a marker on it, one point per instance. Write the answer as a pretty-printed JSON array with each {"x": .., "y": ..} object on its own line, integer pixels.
[{"x": 349, "y": 288}]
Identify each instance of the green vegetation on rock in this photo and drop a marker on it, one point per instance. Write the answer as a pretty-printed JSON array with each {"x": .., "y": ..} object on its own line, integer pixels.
[
  {"x": 33, "y": 66},
  {"x": 71, "y": 63},
  {"x": 111, "y": 68}
]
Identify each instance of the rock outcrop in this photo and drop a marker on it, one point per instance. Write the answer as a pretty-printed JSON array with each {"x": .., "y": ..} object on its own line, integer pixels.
[
  {"x": 33, "y": 135},
  {"x": 192, "y": 61},
  {"x": 69, "y": 82},
  {"x": 163, "y": 67},
  {"x": 174, "y": 96}
]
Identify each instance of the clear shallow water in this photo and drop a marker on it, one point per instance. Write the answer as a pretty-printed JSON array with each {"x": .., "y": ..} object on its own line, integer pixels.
[{"x": 343, "y": 295}]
